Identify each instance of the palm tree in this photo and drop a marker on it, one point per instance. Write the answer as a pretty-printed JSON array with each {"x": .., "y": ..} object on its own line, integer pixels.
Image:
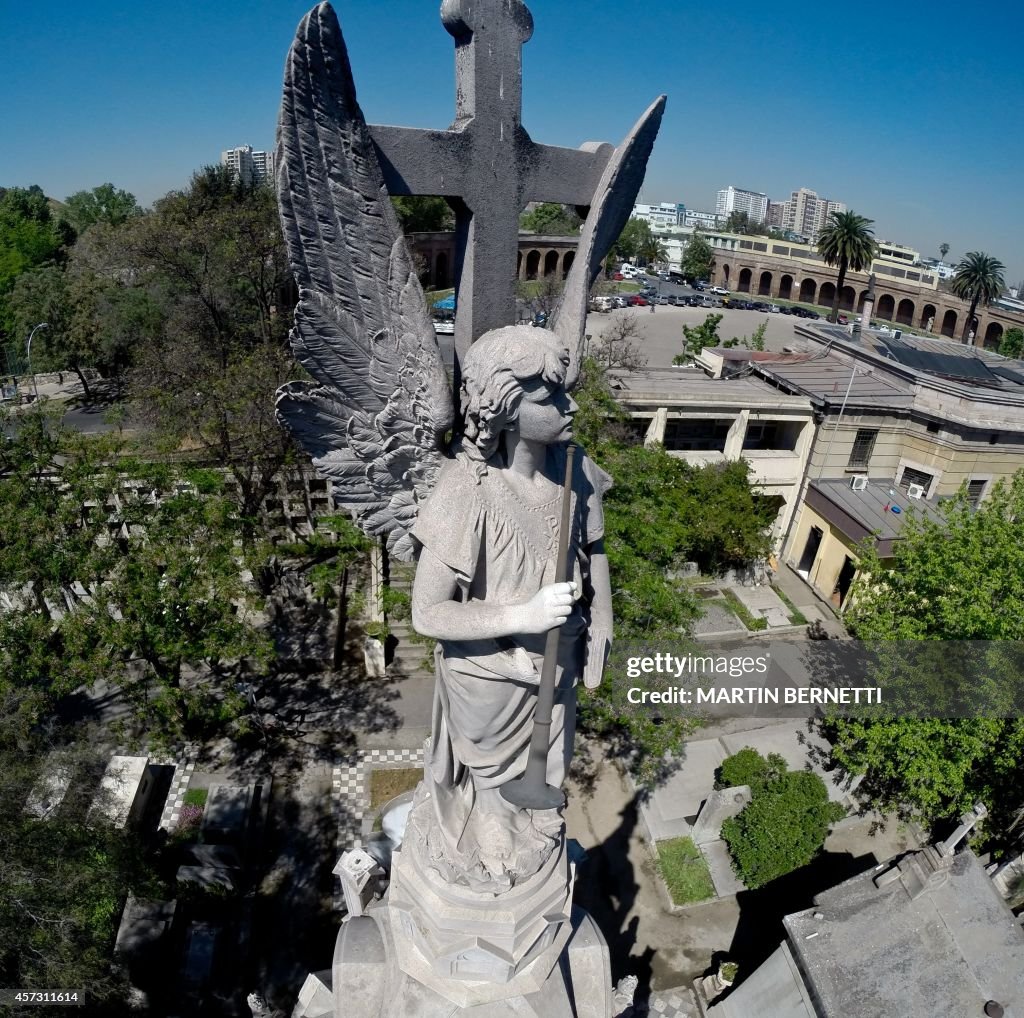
[
  {"x": 943, "y": 251},
  {"x": 653, "y": 251},
  {"x": 849, "y": 242},
  {"x": 978, "y": 276}
]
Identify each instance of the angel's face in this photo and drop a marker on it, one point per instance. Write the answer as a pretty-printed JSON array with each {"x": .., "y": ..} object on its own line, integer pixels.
[{"x": 545, "y": 412}]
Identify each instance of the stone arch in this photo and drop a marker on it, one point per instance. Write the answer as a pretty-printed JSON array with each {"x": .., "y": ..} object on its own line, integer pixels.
[
  {"x": 886, "y": 306},
  {"x": 808, "y": 291},
  {"x": 827, "y": 294},
  {"x": 725, "y": 275},
  {"x": 567, "y": 259},
  {"x": 786, "y": 287},
  {"x": 441, "y": 270},
  {"x": 927, "y": 315},
  {"x": 519, "y": 265},
  {"x": 550, "y": 264},
  {"x": 993, "y": 336},
  {"x": 846, "y": 298},
  {"x": 764, "y": 286},
  {"x": 905, "y": 312},
  {"x": 744, "y": 283},
  {"x": 532, "y": 264},
  {"x": 949, "y": 323}
]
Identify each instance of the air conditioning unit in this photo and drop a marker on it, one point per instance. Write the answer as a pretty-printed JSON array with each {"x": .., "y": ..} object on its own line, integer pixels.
[
  {"x": 915, "y": 491},
  {"x": 859, "y": 482}
]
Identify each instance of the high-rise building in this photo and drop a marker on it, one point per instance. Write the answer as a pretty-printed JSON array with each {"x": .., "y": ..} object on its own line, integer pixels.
[
  {"x": 808, "y": 214},
  {"x": 776, "y": 214},
  {"x": 249, "y": 166},
  {"x": 735, "y": 199}
]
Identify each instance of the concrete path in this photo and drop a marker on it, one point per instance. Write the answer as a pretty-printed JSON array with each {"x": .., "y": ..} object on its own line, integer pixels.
[
  {"x": 805, "y": 598},
  {"x": 763, "y": 603}
]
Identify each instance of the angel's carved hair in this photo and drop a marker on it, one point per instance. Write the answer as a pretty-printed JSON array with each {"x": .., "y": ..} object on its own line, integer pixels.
[{"x": 493, "y": 373}]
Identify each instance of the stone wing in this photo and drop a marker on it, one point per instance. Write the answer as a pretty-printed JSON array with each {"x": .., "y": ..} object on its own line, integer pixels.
[
  {"x": 609, "y": 213},
  {"x": 375, "y": 418}
]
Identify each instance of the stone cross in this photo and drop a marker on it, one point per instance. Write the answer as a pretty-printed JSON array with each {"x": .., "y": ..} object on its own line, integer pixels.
[{"x": 485, "y": 164}]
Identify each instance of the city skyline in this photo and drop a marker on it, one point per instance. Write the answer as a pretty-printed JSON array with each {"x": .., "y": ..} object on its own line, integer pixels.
[{"x": 903, "y": 131}]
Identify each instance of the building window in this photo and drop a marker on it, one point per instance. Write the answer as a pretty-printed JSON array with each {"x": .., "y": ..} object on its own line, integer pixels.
[
  {"x": 912, "y": 476},
  {"x": 933, "y": 427},
  {"x": 975, "y": 489},
  {"x": 863, "y": 445}
]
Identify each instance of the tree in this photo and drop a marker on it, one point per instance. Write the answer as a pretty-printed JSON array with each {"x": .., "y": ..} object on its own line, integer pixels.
[
  {"x": 29, "y": 237},
  {"x": 961, "y": 579},
  {"x": 211, "y": 266},
  {"x": 103, "y": 204},
  {"x": 739, "y": 222},
  {"x": 617, "y": 347},
  {"x": 697, "y": 337},
  {"x": 698, "y": 258},
  {"x": 636, "y": 234},
  {"x": 748, "y": 767},
  {"x": 653, "y": 252},
  {"x": 782, "y": 828},
  {"x": 979, "y": 277},
  {"x": 424, "y": 214},
  {"x": 1012, "y": 343},
  {"x": 943, "y": 250},
  {"x": 848, "y": 242},
  {"x": 162, "y": 596},
  {"x": 551, "y": 219}
]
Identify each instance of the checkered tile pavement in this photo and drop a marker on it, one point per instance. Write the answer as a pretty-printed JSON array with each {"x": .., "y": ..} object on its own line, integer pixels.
[
  {"x": 678, "y": 1003},
  {"x": 184, "y": 763},
  {"x": 351, "y": 791}
]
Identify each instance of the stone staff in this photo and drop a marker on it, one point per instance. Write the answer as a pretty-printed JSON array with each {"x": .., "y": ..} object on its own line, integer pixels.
[{"x": 532, "y": 790}]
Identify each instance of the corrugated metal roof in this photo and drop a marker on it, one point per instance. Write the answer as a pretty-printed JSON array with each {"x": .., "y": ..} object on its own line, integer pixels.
[
  {"x": 872, "y": 506},
  {"x": 826, "y": 379}
]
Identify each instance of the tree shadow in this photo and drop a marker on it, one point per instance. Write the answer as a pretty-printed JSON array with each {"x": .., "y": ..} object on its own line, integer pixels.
[{"x": 760, "y": 930}]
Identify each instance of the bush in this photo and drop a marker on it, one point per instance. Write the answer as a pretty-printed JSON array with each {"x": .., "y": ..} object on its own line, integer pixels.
[
  {"x": 781, "y": 829},
  {"x": 748, "y": 767}
]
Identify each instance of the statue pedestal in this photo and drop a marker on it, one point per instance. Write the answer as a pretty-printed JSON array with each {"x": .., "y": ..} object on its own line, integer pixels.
[{"x": 368, "y": 983}]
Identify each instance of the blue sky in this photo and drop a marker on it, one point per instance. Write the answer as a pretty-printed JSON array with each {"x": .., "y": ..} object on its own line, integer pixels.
[{"x": 910, "y": 113}]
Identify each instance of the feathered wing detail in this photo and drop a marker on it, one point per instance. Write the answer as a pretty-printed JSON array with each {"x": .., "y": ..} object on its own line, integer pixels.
[
  {"x": 609, "y": 213},
  {"x": 375, "y": 419}
]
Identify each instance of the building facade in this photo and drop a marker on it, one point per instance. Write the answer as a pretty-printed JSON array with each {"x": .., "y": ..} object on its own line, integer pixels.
[
  {"x": 807, "y": 213},
  {"x": 249, "y": 166},
  {"x": 663, "y": 214},
  {"x": 736, "y": 199}
]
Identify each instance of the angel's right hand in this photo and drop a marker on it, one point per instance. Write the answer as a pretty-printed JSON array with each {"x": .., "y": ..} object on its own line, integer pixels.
[{"x": 549, "y": 607}]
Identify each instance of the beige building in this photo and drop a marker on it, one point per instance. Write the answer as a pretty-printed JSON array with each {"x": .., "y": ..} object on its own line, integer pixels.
[
  {"x": 702, "y": 420},
  {"x": 902, "y": 424}
]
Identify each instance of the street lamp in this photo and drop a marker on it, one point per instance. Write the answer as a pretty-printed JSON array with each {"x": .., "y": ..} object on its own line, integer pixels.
[{"x": 28, "y": 355}]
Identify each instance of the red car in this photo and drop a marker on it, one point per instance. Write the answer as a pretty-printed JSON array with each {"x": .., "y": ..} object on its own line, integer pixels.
[
  {"x": 636, "y": 301},
  {"x": 618, "y": 277}
]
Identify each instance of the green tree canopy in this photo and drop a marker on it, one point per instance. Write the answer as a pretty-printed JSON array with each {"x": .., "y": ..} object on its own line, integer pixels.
[
  {"x": 698, "y": 258},
  {"x": 424, "y": 214},
  {"x": 849, "y": 243},
  {"x": 1012, "y": 343},
  {"x": 961, "y": 579},
  {"x": 636, "y": 234},
  {"x": 782, "y": 828},
  {"x": 551, "y": 219},
  {"x": 979, "y": 277},
  {"x": 103, "y": 204}
]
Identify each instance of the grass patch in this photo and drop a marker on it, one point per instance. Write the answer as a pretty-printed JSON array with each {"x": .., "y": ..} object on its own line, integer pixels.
[
  {"x": 388, "y": 782},
  {"x": 738, "y": 609},
  {"x": 684, "y": 871},
  {"x": 796, "y": 617},
  {"x": 196, "y": 797}
]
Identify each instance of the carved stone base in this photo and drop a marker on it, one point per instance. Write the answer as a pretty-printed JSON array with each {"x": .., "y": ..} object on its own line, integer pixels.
[
  {"x": 368, "y": 983},
  {"x": 460, "y": 940}
]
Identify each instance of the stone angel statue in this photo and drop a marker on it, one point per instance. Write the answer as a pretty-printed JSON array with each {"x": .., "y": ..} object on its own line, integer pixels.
[{"x": 469, "y": 483}]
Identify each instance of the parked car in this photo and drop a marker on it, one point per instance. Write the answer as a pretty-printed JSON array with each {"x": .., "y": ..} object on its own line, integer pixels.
[
  {"x": 637, "y": 301},
  {"x": 843, "y": 320},
  {"x": 661, "y": 300},
  {"x": 721, "y": 291},
  {"x": 694, "y": 301},
  {"x": 444, "y": 326},
  {"x": 622, "y": 301},
  {"x": 618, "y": 277},
  {"x": 602, "y": 304},
  {"x": 774, "y": 309},
  {"x": 698, "y": 284}
]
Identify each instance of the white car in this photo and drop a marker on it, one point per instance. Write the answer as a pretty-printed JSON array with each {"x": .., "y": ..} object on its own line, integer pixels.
[
  {"x": 444, "y": 328},
  {"x": 721, "y": 291}
]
